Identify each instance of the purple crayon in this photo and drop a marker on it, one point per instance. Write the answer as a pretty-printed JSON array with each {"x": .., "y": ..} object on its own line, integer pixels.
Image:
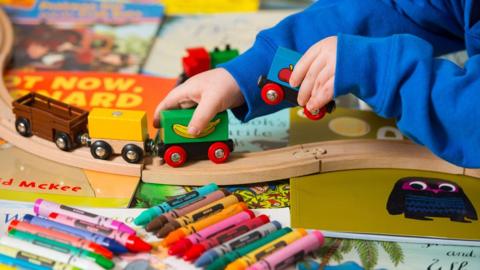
[
  {"x": 291, "y": 253},
  {"x": 44, "y": 208}
]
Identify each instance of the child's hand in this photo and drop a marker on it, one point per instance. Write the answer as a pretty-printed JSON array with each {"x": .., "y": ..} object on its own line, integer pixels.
[
  {"x": 315, "y": 71},
  {"x": 214, "y": 91}
]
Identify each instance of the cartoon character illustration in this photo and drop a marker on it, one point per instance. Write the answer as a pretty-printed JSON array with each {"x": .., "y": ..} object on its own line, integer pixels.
[
  {"x": 275, "y": 87},
  {"x": 420, "y": 198}
]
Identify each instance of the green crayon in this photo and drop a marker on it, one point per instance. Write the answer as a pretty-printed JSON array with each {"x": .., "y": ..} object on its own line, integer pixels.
[
  {"x": 55, "y": 245},
  {"x": 223, "y": 261}
]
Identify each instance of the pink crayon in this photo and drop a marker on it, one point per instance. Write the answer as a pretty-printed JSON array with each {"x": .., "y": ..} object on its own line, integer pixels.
[
  {"x": 289, "y": 254},
  {"x": 44, "y": 208},
  {"x": 132, "y": 242},
  {"x": 180, "y": 247}
]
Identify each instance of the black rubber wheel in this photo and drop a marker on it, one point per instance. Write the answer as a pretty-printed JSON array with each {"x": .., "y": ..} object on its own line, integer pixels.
[
  {"x": 62, "y": 141},
  {"x": 132, "y": 153},
  {"x": 101, "y": 150},
  {"x": 23, "y": 127}
]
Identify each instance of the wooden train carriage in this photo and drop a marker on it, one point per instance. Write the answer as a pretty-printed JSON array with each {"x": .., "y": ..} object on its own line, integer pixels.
[
  {"x": 114, "y": 131},
  {"x": 50, "y": 119},
  {"x": 275, "y": 87},
  {"x": 178, "y": 145}
]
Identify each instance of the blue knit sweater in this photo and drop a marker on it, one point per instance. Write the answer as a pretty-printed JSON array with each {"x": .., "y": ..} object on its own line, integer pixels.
[{"x": 386, "y": 56}]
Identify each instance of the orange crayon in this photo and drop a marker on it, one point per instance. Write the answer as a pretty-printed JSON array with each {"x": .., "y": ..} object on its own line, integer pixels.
[{"x": 201, "y": 224}]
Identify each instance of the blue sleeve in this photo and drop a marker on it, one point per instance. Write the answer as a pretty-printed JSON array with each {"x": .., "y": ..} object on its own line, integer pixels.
[
  {"x": 325, "y": 18},
  {"x": 434, "y": 101}
]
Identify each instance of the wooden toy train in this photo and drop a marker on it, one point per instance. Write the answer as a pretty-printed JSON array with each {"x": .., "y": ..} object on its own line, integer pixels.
[
  {"x": 198, "y": 60},
  {"x": 275, "y": 87},
  {"x": 109, "y": 132}
]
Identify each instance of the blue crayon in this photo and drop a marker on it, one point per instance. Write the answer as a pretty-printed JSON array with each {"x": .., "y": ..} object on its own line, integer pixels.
[
  {"x": 109, "y": 243},
  {"x": 146, "y": 216},
  {"x": 21, "y": 263},
  {"x": 238, "y": 242}
]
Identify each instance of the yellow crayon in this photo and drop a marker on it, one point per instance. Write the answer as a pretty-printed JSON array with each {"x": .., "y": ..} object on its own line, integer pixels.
[
  {"x": 6, "y": 267},
  {"x": 203, "y": 223},
  {"x": 244, "y": 262}
]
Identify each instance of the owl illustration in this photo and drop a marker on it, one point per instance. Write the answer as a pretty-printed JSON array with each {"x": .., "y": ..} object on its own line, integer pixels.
[{"x": 420, "y": 198}]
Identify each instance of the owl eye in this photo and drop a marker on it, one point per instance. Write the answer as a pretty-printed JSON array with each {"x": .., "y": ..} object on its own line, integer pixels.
[
  {"x": 418, "y": 185},
  {"x": 447, "y": 187}
]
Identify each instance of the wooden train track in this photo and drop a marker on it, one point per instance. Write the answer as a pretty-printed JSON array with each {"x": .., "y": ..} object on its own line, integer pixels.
[{"x": 242, "y": 168}]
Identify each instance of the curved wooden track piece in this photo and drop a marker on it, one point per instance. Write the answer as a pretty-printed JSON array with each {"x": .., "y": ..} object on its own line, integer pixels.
[
  {"x": 241, "y": 168},
  {"x": 303, "y": 160},
  {"x": 79, "y": 158}
]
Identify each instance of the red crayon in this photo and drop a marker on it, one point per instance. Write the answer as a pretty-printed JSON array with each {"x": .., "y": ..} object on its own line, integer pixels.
[
  {"x": 198, "y": 249},
  {"x": 132, "y": 242},
  {"x": 182, "y": 245},
  {"x": 60, "y": 237}
]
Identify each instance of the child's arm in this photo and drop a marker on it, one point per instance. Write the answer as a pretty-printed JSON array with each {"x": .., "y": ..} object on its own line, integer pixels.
[{"x": 435, "y": 102}]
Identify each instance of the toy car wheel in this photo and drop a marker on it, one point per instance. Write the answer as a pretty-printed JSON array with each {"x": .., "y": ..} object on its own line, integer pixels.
[
  {"x": 272, "y": 93},
  {"x": 62, "y": 141},
  {"x": 131, "y": 153},
  {"x": 175, "y": 156},
  {"x": 101, "y": 150},
  {"x": 218, "y": 152},
  {"x": 319, "y": 114},
  {"x": 22, "y": 125}
]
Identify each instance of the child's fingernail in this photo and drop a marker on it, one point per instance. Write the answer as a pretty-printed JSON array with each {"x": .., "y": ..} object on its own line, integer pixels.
[{"x": 193, "y": 130}]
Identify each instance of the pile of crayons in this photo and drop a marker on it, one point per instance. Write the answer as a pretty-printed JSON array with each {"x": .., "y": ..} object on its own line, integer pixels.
[
  {"x": 215, "y": 230},
  {"x": 61, "y": 237}
]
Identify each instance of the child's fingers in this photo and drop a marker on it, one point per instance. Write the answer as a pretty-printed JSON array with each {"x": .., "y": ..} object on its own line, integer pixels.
[
  {"x": 320, "y": 98},
  {"x": 321, "y": 79},
  {"x": 308, "y": 82},
  {"x": 206, "y": 110},
  {"x": 303, "y": 65},
  {"x": 171, "y": 101}
]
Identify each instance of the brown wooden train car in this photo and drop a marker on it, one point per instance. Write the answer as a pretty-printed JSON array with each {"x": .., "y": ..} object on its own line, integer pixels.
[{"x": 50, "y": 119}]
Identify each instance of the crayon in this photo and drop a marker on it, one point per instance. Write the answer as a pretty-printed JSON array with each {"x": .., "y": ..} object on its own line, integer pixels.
[
  {"x": 146, "y": 216},
  {"x": 201, "y": 213},
  {"x": 223, "y": 261},
  {"x": 184, "y": 244},
  {"x": 35, "y": 259},
  {"x": 236, "y": 243},
  {"x": 221, "y": 237},
  {"x": 6, "y": 267},
  {"x": 44, "y": 208},
  {"x": 291, "y": 253},
  {"x": 109, "y": 243},
  {"x": 261, "y": 252},
  {"x": 61, "y": 247},
  {"x": 132, "y": 242},
  {"x": 22, "y": 264},
  {"x": 158, "y": 222},
  {"x": 49, "y": 253},
  {"x": 203, "y": 223},
  {"x": 61, "y": 237}
]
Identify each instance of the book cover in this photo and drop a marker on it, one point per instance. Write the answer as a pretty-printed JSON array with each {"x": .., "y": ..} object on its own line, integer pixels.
[
  {"x": 389, "y": 202},
  {"x": 354, "y": 254},
  {"x": 113, "y": 36},
  {"x": 342, "y": 124},
  {"x": 26, "y": 177}
]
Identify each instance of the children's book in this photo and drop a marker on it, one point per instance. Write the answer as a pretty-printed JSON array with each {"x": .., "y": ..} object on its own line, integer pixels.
[
  {"x": 355, "y": 254},
  {"x": 385, "y": 203},
  {"x": 342, "y": 124},
  {"x": 26, "y": 177},
  {"x": 113, "y": 36}
]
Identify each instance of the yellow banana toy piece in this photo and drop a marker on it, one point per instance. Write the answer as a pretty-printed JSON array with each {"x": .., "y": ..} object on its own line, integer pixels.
[{"x": 182, "y": 130}]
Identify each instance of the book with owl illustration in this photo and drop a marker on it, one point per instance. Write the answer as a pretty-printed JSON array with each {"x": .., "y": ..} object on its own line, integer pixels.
[{"x": 389, "y": 202}]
